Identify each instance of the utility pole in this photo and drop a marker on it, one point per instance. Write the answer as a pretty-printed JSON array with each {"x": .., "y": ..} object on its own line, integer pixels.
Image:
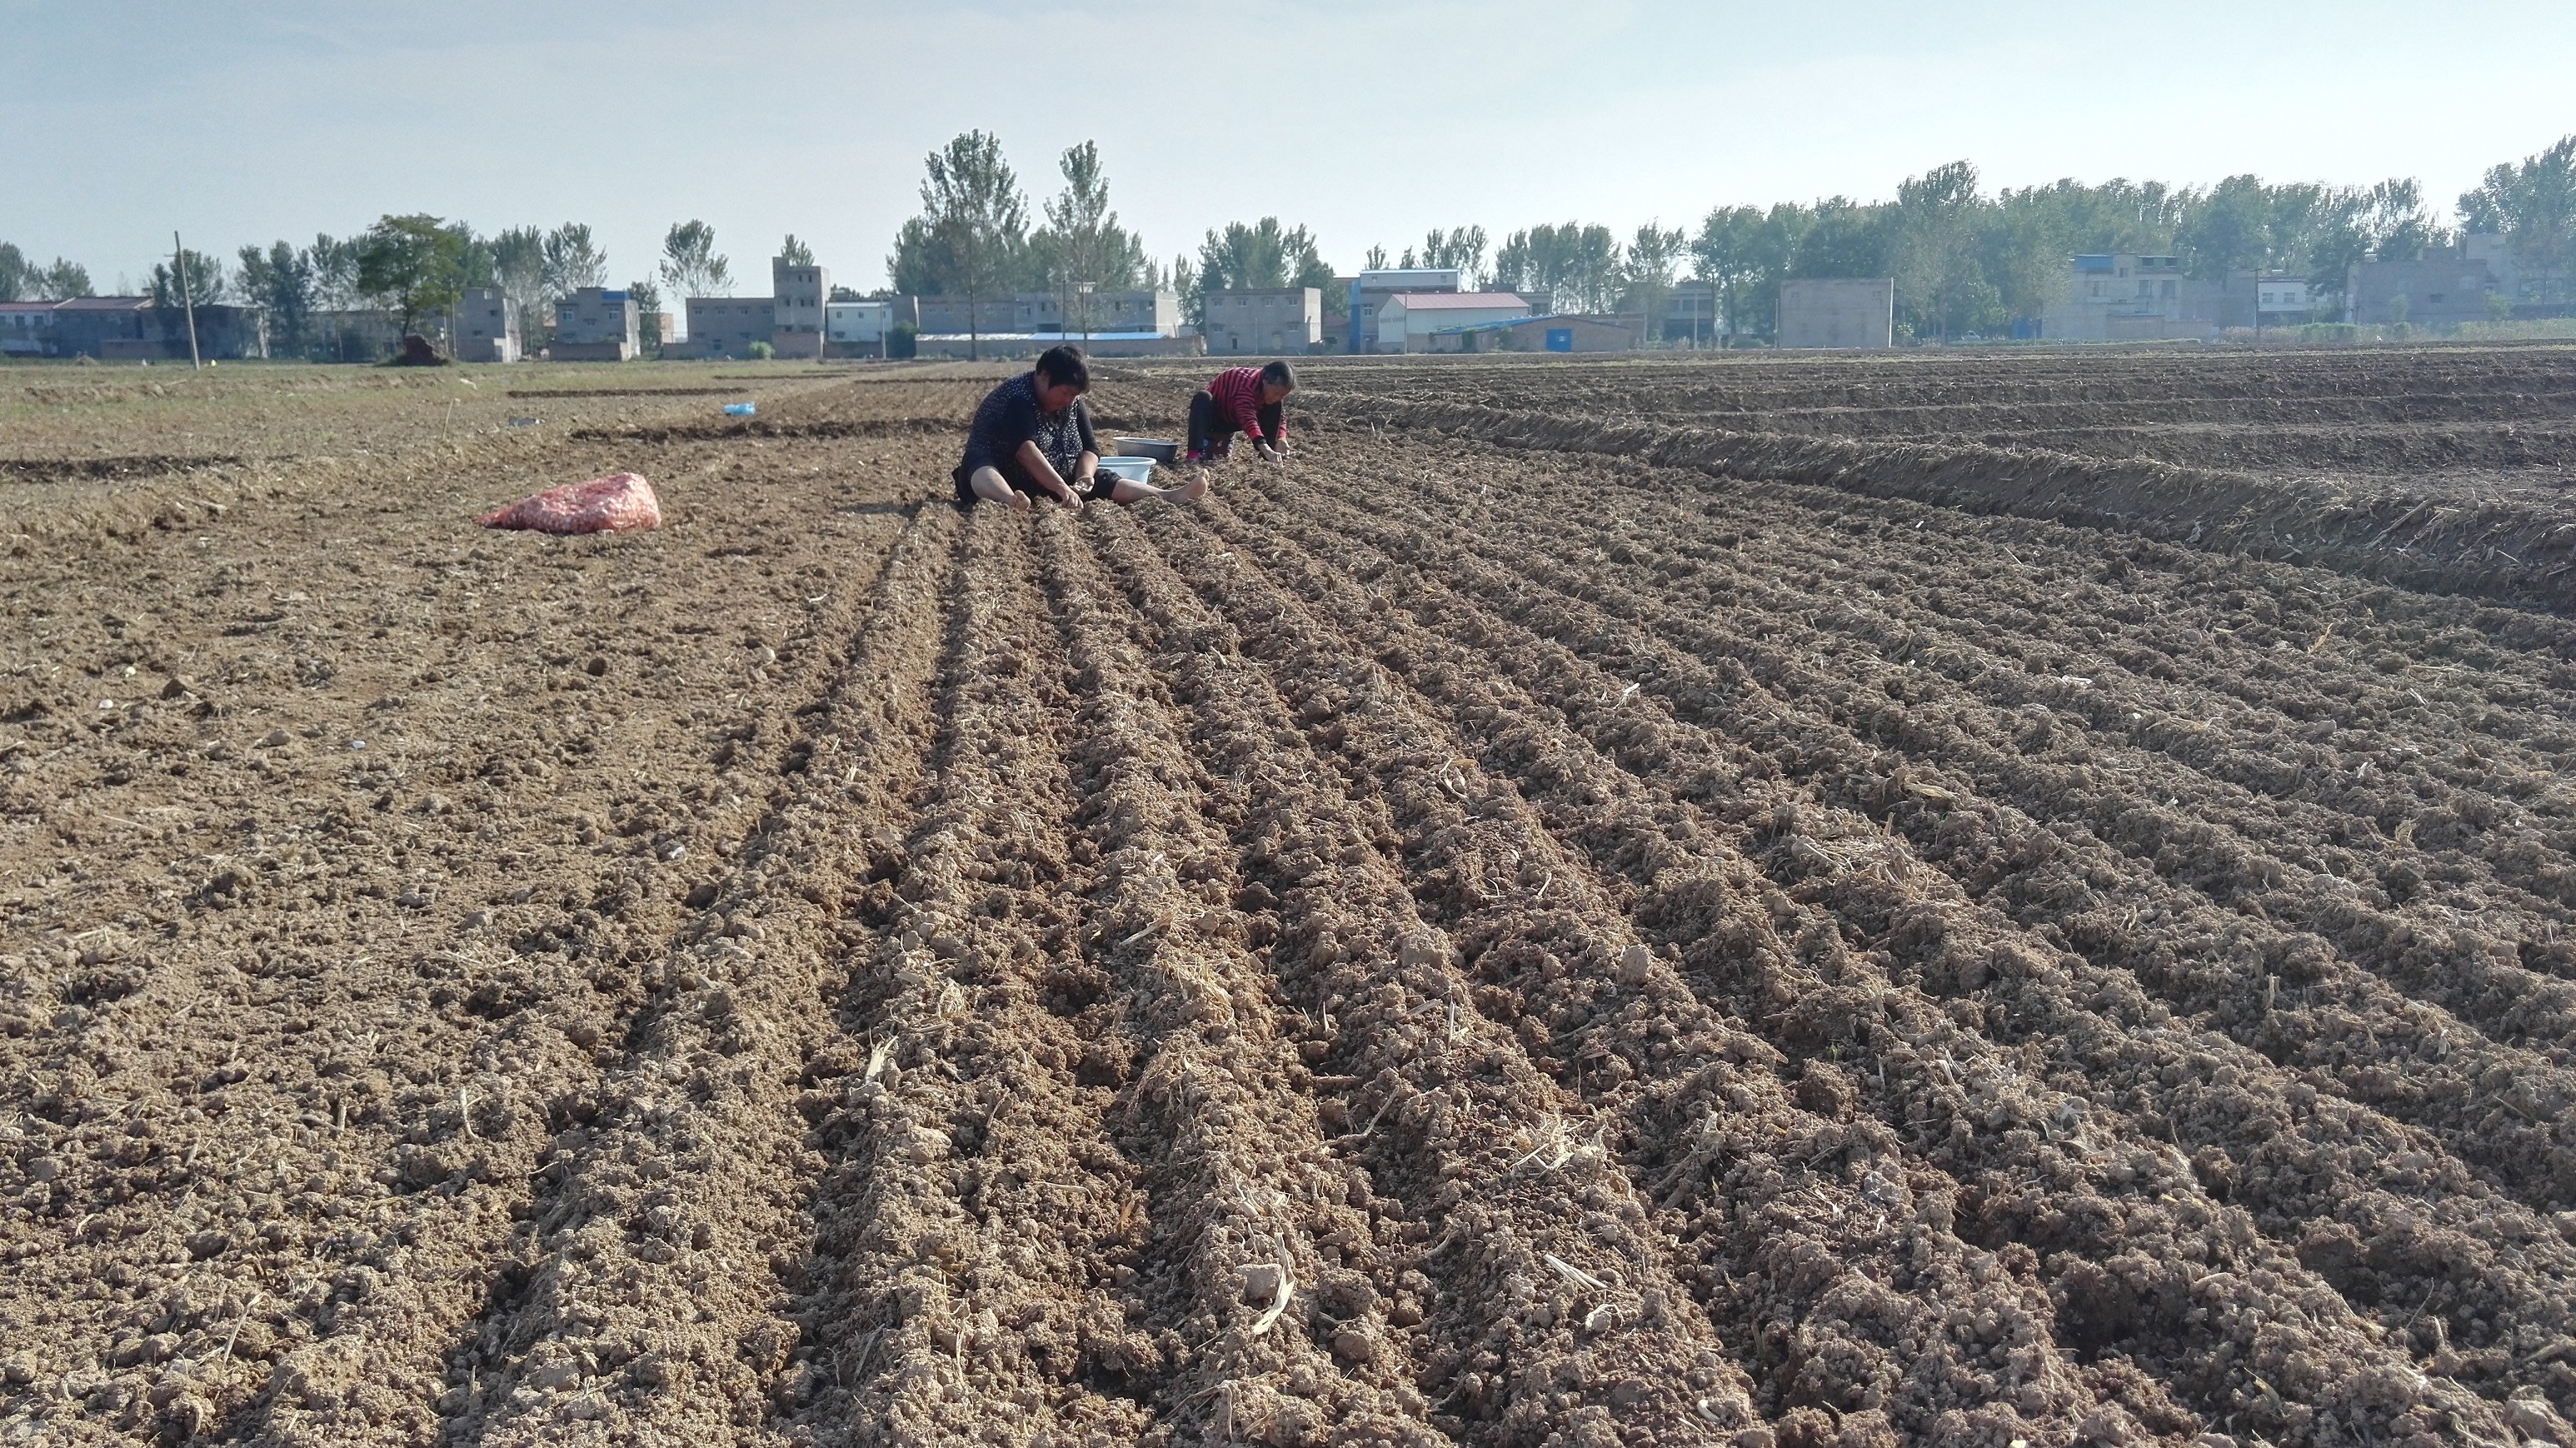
[{"x": 179, "y": 268}]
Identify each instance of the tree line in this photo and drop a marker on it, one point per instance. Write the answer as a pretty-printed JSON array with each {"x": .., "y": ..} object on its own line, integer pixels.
[
  {"x": 22, "y": 280},
  {"x": 1965, "y": 260},
  {"x": 411, "y": 269},
  {"x": 974, "y": 239}
]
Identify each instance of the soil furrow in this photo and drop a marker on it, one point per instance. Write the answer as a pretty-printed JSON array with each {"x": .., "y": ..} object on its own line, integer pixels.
[
  {"x": 2273, "y": 388},
  {"x": 2075, "y": 884},
  {"x": 656, "y": 1268},
  {"x": 1441, "y": 1102},
  {"x": 977, "y": 1228},
  {"x": 1645, "y": 1059},
  {"x": 2315, "y": 732},
  {"x": 1240, "y": 1182},
  {"x": 1504, "y": 930},
  {"x": 1998, "y": 1173},
  {"x": 2495, "y": 1259},
  {"x": 320, "y": 1147},
  {"x": 2506, "y": 547}
]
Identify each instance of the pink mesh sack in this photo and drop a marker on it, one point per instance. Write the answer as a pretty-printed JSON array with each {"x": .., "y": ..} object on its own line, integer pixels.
[{"x": 611, "y": 504}]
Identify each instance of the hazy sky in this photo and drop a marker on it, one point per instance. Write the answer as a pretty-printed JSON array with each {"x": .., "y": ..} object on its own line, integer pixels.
[{"x": 1369, "y": 122}]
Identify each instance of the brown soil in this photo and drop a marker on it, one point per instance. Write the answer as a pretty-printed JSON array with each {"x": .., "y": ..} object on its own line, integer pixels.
[{"x": 1531, "y": 925}]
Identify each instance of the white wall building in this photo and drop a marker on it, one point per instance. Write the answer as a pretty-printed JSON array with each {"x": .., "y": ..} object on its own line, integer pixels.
[
  {"x": 1369, "y": 292},
  {"x": 1408, "y": 320},
  {"x": 2280, "y": 294},
  {"x": 857, "y": 327}
]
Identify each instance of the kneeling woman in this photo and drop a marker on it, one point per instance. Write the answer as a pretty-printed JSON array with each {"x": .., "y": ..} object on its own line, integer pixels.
[
  {"x": 1032, "y": 436},
  {"x": 1248, "y": 400}
]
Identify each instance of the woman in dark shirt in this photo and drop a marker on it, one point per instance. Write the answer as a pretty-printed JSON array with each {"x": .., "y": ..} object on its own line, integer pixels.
[{"x": 1032, "y": 435}]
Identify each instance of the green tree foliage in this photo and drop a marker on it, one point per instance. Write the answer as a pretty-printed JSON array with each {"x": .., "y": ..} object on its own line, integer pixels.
[
  {"x": 972, "y": 237},
  {"x": 1462, "y": 247},
  {"x": 477, "y": 269},
  {"x": 690, "y": 265},
  {"x": 1966, "y": 261},
  {"x": 2230, "y": 230},
  {"x": 1577, "y": 266},
  {"x": 205, "y": 282},
  {"x": 648, "y": 307},
  {"x": 1843, "y": 238},
  {"x": 2532, "y": 205},
  {"x": 279, "y": 279},
  {"x": 65, "y": 280},
  {"x": 1082, "y": 243},
  {"x": 335, "y": 272},
  {"x": 1937, "y": 244},
  {"x": 197, "y": 279},
  {"x": 1375, "y": 260},
  {"x": 2388, "y": 222},
  {"x": 1727, "y": 254},
  {"x": 1654, "y": 262},
  {"x": 412, "y": 266},
  {"x": 518, "y": 261},
  {"x": 22, "y": 280},
  {"x": 1744, "y": 252},
  {"x": 1261, "y": 255},
  {"x": 794, "y": 252},
  {"x": 911, "y": 269},
  {"x": 2243, "y": 224},
  {"x": 573, "y": 261}
]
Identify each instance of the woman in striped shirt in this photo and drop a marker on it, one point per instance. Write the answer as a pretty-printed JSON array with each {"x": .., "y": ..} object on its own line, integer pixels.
[{"x": 1248, "y": 400}]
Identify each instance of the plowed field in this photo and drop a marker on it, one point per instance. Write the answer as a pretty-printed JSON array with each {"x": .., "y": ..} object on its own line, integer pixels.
[{"x": 2015, "y": 901}]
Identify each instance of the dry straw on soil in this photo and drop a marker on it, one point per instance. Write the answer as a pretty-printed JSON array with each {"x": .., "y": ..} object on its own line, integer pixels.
[{"x": 2012, "y": 900}]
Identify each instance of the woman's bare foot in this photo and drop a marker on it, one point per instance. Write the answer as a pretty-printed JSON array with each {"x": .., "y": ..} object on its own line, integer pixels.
[
  {"x": 1193, "y": 490},
  {"x": 990, "y": 486}
]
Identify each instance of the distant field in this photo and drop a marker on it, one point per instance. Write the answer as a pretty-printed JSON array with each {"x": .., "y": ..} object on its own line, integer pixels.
[{"x": 2022, "y": 898}]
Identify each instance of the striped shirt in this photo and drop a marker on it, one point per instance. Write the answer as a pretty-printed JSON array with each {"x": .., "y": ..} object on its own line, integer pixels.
[{"x": 1237, "y": 391}]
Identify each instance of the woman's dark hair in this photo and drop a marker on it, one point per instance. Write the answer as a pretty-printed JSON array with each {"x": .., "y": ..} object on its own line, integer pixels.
[
  {"x": 1063, "y": 366},
  {"x": 1277, "y": 374}
]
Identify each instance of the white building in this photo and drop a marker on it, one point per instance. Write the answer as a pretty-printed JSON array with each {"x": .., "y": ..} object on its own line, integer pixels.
[
  {"x": 1408, "y": 320},
  {"x": 2281, "y": 294},
  {"x": 857, "y": 328},
  {"x": 1369, "y": 292}
]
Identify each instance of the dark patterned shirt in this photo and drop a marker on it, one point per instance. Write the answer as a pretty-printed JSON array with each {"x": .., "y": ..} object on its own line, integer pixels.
[{"x": 1009, "y": 416}]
